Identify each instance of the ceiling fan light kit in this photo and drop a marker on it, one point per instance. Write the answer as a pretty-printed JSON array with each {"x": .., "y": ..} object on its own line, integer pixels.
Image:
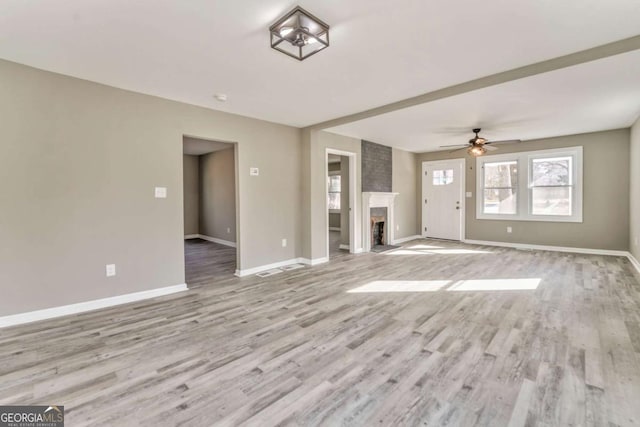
[
  {"x": 299, "y": 34},
  {"x": 476, "y": 150}
]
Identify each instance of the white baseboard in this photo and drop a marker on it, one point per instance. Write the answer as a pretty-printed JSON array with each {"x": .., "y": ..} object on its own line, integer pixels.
[
  {"x": 259, "y": 269},
  {"x": 406, "y": 239},
  {"x": 345, "y": 247},
  {"x": 334, "y": 228},
  {"x": 254, "y": 270},
  {"x": 548, "y": 248},
  {"x": 634, "y": 261},
  {"x": 314, "y": 261},
  {"x": 65, "y": 310},
  {"x": 211, "y": 239}
]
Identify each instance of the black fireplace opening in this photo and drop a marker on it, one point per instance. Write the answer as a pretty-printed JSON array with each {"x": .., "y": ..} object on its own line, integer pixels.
[{"x": 378, "y": 234}]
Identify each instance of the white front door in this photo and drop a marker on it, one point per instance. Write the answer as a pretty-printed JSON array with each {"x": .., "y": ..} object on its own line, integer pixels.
[{"x": 442, "y": 199}]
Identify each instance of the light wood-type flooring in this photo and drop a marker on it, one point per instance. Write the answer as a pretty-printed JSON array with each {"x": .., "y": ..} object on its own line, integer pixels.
[{"x": 433, "y": 334}]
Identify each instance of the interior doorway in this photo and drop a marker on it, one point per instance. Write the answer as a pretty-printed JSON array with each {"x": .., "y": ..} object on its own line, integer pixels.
[
  {"x": 443, "y": 191},
  {"x": 210, "y": 214},
  {"x": 340, "y": 174}
]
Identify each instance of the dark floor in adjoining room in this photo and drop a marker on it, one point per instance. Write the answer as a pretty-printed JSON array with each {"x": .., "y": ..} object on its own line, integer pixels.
[
  {"x": 205, "y": 262},
  {"x": 435, "y": 333}
]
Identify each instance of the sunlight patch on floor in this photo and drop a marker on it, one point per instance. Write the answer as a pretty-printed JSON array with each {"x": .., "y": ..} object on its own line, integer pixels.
[
  {"x": 474, "y": 285},
  {"x": 401, "y": 286}
]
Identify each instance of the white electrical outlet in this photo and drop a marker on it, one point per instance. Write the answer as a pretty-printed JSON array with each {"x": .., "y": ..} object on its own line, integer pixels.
[
  {"x": 397, "y": 227},
  {"x": 161, "y": 192},
  {"x": 111, "y": 270},
  {"x": 635, "y": 240},
  {"x": 228, "y": 230},
  {"x": 509, "y": 229},
  {"x": 254, "y": 171},
  {"x": 284, "y": 243}
]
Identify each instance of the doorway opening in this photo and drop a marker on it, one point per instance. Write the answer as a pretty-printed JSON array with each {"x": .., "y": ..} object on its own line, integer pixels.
[
  {"x": 340, "y": 173},
  {"x": 210, "y": 214},
  {"x": 443, "y": 199}
]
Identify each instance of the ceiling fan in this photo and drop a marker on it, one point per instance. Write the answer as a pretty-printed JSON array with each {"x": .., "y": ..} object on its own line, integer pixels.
[{"x": 477, "y": 146}]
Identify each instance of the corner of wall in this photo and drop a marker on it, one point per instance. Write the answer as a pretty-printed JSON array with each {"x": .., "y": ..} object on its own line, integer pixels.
[{"x": 634, "y": 190}]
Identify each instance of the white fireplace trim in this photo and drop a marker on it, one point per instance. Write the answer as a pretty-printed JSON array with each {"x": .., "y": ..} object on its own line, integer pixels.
[{"x": 377, "y": 200}]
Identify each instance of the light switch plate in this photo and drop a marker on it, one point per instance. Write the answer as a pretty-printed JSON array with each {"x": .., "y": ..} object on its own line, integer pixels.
[
  {"x": 254, "y": 171},
  {"x": 469, "y": 194},
  {"x": 110, "y": 270},
  {"x": 284, "y": 243},
  {"x": 509, "y": 229},
  {"x": 161, "y": 192}
]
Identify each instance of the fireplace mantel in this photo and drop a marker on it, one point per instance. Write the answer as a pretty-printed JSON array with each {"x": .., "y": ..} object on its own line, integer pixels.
[{"x": 377, "y": 200}]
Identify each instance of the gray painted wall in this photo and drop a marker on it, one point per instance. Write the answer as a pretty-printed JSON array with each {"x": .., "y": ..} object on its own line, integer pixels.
[
  {"x": 217, "y": 195},
  {"x": 377, "y": 167},
  {"x": 404, "y": 183},
  {"x": 634, "y": 191},
  {"x": 191, "y": 191},
  {"x": 606, "y": 196},
  {"x": 79, "y": 165}
]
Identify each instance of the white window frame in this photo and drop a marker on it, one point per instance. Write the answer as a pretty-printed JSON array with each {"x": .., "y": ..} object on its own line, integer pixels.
[{"x": 525, "y": 189}]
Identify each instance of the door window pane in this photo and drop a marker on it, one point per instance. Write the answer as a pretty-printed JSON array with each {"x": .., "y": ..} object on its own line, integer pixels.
[{"x": 442, "y": 177}]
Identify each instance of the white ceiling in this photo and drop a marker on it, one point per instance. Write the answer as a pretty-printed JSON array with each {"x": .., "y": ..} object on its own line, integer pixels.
[
  {"x": 197, "y": 147},
  {"x": 380, "y": 51},
  {"x": 595, "y": 96}
]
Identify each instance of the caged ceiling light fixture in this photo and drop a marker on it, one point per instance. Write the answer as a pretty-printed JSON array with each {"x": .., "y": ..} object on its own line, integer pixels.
[{"x": 299, "y": 34}]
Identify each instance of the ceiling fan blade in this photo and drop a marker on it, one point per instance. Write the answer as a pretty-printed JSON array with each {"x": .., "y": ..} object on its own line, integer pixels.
[
  {"x": 459, "y": 149},
  {"x": 490, "y": 148},
  {"x": 506, "y": 141},
  {"x": 454, "y": 145}
]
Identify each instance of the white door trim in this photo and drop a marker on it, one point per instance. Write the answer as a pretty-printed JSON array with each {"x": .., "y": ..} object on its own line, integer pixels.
[
  {"x": 461, "y": 165},
  {"x": 354, "y": 233}
]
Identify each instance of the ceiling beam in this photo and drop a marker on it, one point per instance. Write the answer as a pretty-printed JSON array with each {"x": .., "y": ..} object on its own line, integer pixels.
[{"x": 599, "y": 52}]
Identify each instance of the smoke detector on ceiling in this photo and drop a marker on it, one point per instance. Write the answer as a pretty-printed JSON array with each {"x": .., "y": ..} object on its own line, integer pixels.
[{"x": 222, "y": 97}]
